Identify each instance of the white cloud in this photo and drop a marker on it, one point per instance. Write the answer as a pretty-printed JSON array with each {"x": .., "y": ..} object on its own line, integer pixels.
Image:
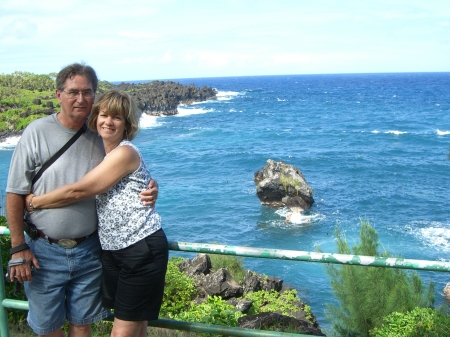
[
  {"x": 20, "y": 29},
  {"x": 139, "y": 35},
  {"x": 292, "y": 58},
  {"x": 215, "y": 59},
  {"x": 167, "y": 57},
  {"x": 136, "y": 60},
  {"x": 178, "y": 38}
]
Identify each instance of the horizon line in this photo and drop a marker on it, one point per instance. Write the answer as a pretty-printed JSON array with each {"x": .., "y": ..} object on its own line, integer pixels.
[{"x": 318, "y": 74}]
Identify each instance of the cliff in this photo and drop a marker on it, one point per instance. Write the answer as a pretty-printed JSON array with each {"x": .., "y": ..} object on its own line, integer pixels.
[
  {"x": 162, "y": 98},
  {"x": 25, "y": 97}
]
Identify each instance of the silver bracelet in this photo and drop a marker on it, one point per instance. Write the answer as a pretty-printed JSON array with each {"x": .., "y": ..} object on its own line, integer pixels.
[{"x": 30, "y": 204}]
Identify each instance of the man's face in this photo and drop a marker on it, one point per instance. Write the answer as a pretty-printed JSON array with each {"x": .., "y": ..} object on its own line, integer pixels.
[{"x": 76, "y": 108}]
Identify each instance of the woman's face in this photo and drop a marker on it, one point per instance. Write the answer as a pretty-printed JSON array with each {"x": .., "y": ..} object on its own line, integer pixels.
[{"x": 110, "y": 127}]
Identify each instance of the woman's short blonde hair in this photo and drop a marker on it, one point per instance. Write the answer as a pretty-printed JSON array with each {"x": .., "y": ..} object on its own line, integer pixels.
[{"x": 121, "y": 103}]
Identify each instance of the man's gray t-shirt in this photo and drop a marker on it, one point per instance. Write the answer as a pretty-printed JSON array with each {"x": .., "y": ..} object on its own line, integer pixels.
[{"x": 38, "y": 143}]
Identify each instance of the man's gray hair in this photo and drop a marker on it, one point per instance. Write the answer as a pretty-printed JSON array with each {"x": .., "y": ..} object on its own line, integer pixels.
[{"x": 76, "y": 69}]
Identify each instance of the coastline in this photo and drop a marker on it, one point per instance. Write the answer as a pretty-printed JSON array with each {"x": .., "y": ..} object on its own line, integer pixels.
[{"x": 5, "y": 134}]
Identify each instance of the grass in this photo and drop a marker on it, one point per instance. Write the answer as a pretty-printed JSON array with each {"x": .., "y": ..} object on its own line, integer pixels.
[
  {"x": 234, "y": 265},
  {"x": 101, "y": 329}
]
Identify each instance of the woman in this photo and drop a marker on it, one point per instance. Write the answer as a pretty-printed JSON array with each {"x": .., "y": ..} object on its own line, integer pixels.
[{"x": 135, "y": 248}]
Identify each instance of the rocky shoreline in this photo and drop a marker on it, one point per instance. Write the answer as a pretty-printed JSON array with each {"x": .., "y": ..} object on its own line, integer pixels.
[
  {"x": 156, "y": 98},
  {"x": 220, "y": 283},
  {"x": 7, "y": 134},
  {"x": 159, "y": 98}
]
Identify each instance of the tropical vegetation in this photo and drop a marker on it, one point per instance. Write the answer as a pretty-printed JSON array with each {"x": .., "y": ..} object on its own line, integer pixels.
[
  {"x": 366, "y": 295},
  {"x": 25, "y": 97}
]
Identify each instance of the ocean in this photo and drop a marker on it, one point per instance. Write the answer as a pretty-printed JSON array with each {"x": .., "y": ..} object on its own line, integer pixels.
[{"x": 372, "y": 147}]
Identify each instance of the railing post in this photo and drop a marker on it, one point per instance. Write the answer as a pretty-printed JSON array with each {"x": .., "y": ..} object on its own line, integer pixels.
[{"x": 4, "y": 326}]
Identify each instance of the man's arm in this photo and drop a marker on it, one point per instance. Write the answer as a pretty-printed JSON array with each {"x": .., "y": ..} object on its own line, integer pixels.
[{"x": 15, "y": 204}]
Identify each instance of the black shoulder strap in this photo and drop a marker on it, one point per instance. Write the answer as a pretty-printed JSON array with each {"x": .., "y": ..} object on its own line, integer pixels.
[{"x": 58, "y": 154}]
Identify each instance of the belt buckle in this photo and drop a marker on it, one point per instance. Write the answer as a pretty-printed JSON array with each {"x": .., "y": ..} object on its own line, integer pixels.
[{"x": 67, "y": 243}]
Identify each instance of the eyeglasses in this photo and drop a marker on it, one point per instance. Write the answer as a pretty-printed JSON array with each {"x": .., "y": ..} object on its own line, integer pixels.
[{"x": 88, "y": 94}]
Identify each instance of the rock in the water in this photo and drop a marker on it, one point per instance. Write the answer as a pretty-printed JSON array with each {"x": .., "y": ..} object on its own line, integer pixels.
[{"x": 281, "y": 184}]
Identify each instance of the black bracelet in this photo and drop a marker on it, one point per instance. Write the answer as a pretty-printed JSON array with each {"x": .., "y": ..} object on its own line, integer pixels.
[{"x": 18, "y": 248}]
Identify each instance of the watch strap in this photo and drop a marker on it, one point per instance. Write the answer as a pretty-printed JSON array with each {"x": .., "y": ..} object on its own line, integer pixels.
[{"x": 18, "y": 248}]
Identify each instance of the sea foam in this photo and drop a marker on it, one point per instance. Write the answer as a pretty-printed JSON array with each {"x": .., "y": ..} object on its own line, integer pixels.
[
  {"x": 437, "y": 237},
  {"x": 9, "y": 143},
  {"x": 396, "y": 132},
  {"x": 226, "y": 95},
  {"x": 184, "y": 111},
  {"x": 148, "y": 121},
  {"x": 442, "y": 133}
]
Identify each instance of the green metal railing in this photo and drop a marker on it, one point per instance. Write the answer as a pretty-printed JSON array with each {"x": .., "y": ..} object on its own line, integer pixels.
[{"x": 368, "y": 261}]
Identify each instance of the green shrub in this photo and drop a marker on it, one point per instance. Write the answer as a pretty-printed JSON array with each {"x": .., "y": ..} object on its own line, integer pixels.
[
  {"x": 27, "y": 80},
  {"x": 233, "y": 264},
  {"x": 179, "y": 290},
  {"x": 285, "y": 303},
  {"x": 23, "y": 122},
  {"x": 423, "y": 322},
  {"x": 367, "y": 294},
  {"x": 17, "y": 92},
  {"x": 214, "y": 310}
]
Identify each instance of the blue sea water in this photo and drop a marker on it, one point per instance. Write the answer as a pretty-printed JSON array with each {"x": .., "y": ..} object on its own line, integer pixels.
[{"x": 371, "y": 146}]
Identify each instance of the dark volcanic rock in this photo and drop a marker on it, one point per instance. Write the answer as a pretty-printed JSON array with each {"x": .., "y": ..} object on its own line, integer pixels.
[
  {"x": 281, "y": 184},
  {"x": 162, "y": 98},
  {"x": 254, "y": 282},
  {"x": 220, "y": 283},
  {"x": 278, "y": 322},
  {"x": 6, "y": 134}
]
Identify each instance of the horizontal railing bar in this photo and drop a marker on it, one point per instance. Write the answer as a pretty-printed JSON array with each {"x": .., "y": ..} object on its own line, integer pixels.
[
  {"x": 15, "y": 304},
  {"x": 367, "y": 261},
  {"x": 181, "y": 325},
  {"x": 305, "y": 256},
  {"x": 220, "y": 330}
]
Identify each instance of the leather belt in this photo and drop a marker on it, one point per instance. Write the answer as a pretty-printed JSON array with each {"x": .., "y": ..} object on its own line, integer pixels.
[{"x": 64, "y": 243}]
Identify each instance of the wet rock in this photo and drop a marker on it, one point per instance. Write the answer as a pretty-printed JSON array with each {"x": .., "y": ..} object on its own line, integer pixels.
[{"x": 281, "y": 184}]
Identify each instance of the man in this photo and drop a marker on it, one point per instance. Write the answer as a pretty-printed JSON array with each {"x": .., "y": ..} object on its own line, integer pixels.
[{"x": 67, "y": 277}]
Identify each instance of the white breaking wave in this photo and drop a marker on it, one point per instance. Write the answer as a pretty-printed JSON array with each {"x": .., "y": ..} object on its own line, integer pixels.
[
  {"x": 442, "y": 133},
  {"x": 148, "y": 121},
  {"x": 9, "y": 143},
  {"x": 226, "y": 95},
  {"x": 298, "y": 218},
  {"x": 182, "y": 111},
  {"x": 396, "y": 132},
  {"x": 436, "y": 236}
]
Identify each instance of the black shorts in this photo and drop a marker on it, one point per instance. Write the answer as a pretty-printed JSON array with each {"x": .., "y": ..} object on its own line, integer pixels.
[{"x": 133, "y": 278}]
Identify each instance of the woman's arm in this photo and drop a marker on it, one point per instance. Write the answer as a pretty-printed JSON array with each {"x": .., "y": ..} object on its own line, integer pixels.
[{"x": 116, "y": 165}]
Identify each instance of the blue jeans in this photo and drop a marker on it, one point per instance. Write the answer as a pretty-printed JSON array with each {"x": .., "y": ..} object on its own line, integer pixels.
[{"x": 66, "y": 287}]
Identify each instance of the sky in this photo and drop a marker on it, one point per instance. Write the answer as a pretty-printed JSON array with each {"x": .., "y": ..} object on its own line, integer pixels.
[{"x": 173, "y": 39}]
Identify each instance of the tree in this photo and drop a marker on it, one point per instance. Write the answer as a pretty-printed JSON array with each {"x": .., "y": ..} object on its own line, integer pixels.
[{"x": 367, "y": 294}]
